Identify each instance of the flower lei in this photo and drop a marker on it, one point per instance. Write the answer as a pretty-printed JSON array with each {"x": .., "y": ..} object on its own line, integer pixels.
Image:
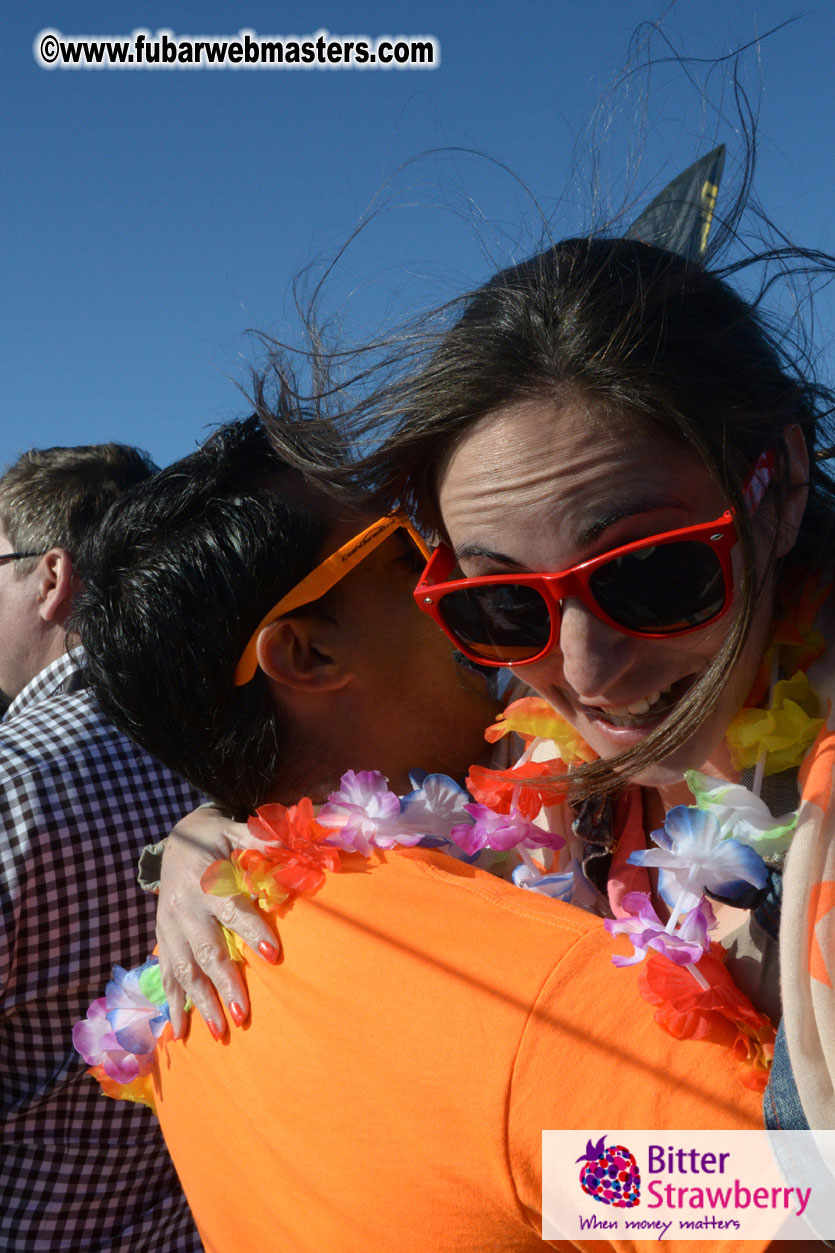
[
  {"x": 289, "y": 850},
  {"x": 721, "y": 845},
  {"x": 717, "y": 845}
]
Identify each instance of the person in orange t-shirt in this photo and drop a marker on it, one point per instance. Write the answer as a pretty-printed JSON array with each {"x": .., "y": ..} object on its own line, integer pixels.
[
  {"x": 428, "y": 1020},
  {"x": 390, "y": 1090}
]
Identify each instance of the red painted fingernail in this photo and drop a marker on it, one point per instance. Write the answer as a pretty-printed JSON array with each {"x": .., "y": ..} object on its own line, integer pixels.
[
  {"x": 214, "y": 1029},
  {"x": 269, "y": 951},
  {"x": 236, "y": 1013}
]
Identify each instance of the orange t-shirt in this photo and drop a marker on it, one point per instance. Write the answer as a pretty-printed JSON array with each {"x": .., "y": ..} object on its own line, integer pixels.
[{"x": 427, "y": 1022}]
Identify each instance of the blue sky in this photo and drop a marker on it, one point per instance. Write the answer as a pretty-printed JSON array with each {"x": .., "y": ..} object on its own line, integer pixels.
[{"x": 151, "y": 219}]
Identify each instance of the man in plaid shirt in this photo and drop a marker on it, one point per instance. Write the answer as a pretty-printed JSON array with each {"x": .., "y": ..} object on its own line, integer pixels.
[{"x": 77, "y": 803}]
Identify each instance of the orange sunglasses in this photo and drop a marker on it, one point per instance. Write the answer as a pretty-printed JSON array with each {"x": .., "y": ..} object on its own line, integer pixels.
[{"x": 325, "y": 576}]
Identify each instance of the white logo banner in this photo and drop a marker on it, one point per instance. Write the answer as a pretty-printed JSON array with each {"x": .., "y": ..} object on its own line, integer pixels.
[{"x": 688, "y": 1185}]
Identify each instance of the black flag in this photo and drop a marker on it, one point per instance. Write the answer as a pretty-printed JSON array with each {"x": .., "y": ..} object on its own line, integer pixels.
[{"x": 680, "y": 216}]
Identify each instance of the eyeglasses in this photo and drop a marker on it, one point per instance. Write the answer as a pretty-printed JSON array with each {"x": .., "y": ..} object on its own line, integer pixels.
[
  {"x": 325, "y": 576},
  {"x": 18, "y": 556},
  {"x": 661, "y": 586}
]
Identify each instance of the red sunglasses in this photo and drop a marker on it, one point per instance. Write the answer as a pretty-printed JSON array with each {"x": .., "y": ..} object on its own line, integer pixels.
[{"x": 664, "y": 585}]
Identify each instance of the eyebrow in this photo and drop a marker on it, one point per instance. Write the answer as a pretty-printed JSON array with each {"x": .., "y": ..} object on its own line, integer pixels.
[
  {"x": 616, "y": 512},
  {"x": 478, "y": 550}
]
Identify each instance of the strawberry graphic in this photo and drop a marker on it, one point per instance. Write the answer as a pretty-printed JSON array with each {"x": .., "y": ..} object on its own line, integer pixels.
[{"x": 610, "y": 1175}]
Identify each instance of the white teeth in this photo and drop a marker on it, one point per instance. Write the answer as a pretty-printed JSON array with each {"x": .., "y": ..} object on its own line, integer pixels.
[
  {"x": 625, "y": 715},
  {"x": 639, "y": 706}
]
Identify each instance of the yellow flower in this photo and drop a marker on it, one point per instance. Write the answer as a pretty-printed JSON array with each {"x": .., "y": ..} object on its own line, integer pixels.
[
  {"x": 259, "y": 879},
  {"x": 786, "y": 730},
  {"x": 533, "y": 718},
  {"x": 234, "y": 944},
  {"x": 222, "y": 879}
]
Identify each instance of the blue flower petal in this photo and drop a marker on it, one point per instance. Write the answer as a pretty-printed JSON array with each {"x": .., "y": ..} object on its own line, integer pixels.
[
  {"x": 659, "y": 837},
  {"x": 739, "y": 892},
  {"x": 685, "y": 822},
  {"x": 136, "y": 1037},
  {"x": 668, "y": 887},
  {"x": 748, "y": 866}
]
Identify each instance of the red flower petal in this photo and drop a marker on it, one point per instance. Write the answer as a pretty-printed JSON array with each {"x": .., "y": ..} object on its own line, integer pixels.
[
  {"x": 540, "y": 785},
  {"x": 720, "y": 1013},
  {"x": 294, "y": 826}
]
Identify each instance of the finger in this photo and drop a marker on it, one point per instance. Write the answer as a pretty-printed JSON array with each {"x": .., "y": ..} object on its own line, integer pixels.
[
  {"x": 239, "y": 914},
  {"x": 203, "y": 998},
  {"x": 176, "y": 1005},
  {"x": 183, "y": 980},
  {"x": 223, "y": 974}
]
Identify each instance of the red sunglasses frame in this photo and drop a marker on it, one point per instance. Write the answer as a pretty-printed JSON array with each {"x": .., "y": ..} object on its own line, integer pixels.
[{"x": 719, "y": 535}]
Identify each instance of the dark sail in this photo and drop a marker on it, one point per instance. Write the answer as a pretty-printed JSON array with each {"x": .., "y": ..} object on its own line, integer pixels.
[{"x": 680, "y": 216}]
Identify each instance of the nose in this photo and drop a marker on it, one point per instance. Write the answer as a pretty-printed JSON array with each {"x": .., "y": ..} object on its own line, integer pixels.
[{"x": 591, "y": 657}]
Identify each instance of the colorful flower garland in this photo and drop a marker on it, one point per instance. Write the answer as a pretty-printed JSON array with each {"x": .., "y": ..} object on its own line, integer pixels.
[{"x": 716, "y": 846}]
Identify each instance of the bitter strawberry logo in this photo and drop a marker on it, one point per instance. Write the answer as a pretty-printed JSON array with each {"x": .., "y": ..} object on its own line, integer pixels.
[{"x": 610, "y": 1175}]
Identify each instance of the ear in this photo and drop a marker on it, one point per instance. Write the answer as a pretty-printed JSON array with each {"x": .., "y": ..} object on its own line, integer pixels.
[
  {"x": 58, "y": 586},
  {"x": 797, "y": 456},
  {"x": 299, "y": 653}
]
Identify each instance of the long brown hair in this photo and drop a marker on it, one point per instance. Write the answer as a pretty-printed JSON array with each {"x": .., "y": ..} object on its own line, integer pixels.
[{"x": 645, "y": 333}]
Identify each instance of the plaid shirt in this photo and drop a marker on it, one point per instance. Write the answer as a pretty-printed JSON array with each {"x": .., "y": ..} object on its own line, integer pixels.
[{"x": 77, "y": 803}]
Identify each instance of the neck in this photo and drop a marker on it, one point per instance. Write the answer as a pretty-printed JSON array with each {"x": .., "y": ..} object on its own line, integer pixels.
[
  {"x": 666, "y": 797},
  {"x": 339, "y": 735}
]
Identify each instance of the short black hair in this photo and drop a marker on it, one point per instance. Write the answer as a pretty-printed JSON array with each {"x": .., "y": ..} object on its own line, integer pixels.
[{"x": 177, "y": 579}]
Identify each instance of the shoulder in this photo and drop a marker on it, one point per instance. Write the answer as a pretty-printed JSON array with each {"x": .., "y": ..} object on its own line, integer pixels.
[
  {"x": 63, "y": 763},
  {"x": 68, "y": 728},
  {"x": 415, "y": 974},
  {"x": 58, "y": 734},
  {"x": 455, "y": 899},
  {"x": 433, "y": 932},
  {"x": 615, "y": 1058},
  {"x": 52, "y": 727}
]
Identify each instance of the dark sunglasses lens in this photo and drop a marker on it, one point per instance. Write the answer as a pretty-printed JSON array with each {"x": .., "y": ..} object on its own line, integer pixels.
[
  {"x": 662, "y": 589},
  {"x": 500, "y": 624}
]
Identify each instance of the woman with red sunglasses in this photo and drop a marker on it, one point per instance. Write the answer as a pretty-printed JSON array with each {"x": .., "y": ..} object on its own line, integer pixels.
[
  {"x": 623, "y": 464},
  {"x": 629, "y": 418}
]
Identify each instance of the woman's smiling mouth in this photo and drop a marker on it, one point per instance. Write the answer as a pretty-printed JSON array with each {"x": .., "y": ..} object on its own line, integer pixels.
[{"x": 645, "y": 713}]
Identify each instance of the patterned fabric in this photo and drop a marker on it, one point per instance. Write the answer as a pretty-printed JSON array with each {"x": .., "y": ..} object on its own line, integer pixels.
[{"x": 77, "y": 803}]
